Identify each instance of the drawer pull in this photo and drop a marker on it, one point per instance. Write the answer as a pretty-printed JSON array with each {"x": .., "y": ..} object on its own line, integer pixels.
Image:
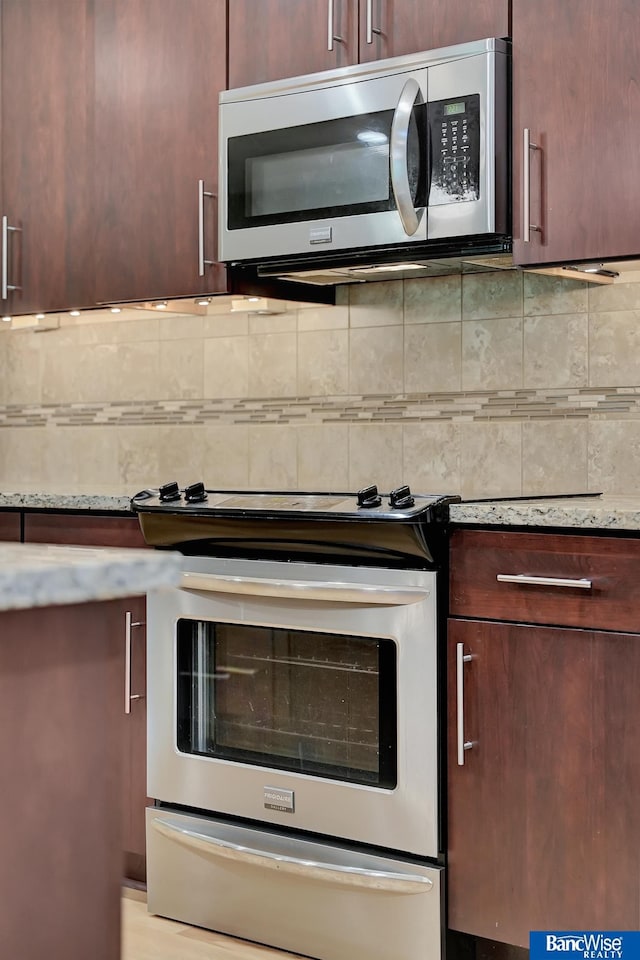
[
  {"x": 462, "y": 744},
  {"x": 580, "y": 584}
]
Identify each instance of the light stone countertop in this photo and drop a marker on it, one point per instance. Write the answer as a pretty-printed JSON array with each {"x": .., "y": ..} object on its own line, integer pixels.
[
  {"x": 37, "y": 575},
  {"x": 583, "y": 512},
  {"x": 52, "y": 498}
]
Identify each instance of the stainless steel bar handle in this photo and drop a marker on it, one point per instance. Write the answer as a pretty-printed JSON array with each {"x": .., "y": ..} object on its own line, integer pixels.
[
  {"x": 461, "y": 659},
  {"x": 331, "y": 37},
  {"x": 202, "y": 193},
  {"x": 580, "y": 584},
  {"x": 304, "y": 589},
  {"x": 399, "y": 162},
  {"x": 6, "y": 286},
  {"x": 528, "y": 145},
  {"x": 384, "y": 880},
  {"x": 129, "y": 624},
  {"x": 370, "y": 27}
]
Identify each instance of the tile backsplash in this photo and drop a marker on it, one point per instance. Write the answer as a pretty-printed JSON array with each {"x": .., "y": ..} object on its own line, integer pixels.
[{"x": 496, "y": 383}]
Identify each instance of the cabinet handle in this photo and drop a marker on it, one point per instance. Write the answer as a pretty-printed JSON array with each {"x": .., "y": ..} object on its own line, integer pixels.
[
  {"x": 370, "y": 27},
  {"x": 6, "y": 286},
  {"x": 461, "y": 659},
  {"x": 129, "y": 624},
  {"x": 330, "y": 34},
  {"x": 202, "y": 193},
  {"x": 527, "y": 226},
  {"x": 581, "y": 583}
]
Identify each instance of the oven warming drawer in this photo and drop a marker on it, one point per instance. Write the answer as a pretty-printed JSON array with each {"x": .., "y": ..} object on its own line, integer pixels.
[{"x": 321, "y": 900}]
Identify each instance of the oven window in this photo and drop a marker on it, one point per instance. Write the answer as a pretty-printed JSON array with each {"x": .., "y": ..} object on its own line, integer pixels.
[{"x": 313, "y": 703}]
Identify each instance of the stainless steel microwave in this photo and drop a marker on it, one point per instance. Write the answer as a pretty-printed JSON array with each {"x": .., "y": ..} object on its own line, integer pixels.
[{"x": 375, "y": 163}]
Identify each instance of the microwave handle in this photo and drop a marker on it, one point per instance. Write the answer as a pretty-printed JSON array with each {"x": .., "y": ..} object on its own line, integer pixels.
[{"x": 399, "y": 166}]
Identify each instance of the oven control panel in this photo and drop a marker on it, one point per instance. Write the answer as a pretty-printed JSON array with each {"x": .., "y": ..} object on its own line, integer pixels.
[{"x": 454, "y": 130}]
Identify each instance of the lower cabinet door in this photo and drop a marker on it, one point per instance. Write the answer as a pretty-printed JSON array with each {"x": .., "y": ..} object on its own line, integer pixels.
[
  {"x": 10, "y": 527},
  {"x": 543, "y": 780}
]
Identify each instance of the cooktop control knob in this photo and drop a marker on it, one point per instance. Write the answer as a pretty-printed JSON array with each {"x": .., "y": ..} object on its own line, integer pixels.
[
  {"x": 195, "y": 493},
  {"x": 400, "y": 498},
  {"x": 169, "y": 491},
  {"x": 369, "y": 497}
]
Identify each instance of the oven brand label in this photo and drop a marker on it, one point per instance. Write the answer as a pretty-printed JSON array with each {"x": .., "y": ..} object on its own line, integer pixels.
[{"x": 276, "y": 799}]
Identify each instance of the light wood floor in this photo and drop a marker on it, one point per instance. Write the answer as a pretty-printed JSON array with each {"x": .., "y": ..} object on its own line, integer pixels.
[{"x": 152, "y": 938}]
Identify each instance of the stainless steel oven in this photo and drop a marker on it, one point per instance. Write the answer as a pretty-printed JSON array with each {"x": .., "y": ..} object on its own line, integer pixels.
[{"x": 293, "y": 720}]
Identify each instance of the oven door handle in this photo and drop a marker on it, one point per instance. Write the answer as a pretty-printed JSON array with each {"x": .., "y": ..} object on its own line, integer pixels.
[
  {"x": 304, "y": 589},
  {"x": 333, "y": 873},
  {"x": 399, "y": 149}
]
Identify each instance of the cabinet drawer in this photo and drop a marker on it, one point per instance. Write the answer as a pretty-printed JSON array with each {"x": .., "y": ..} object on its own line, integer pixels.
[{"x": 595, "y": 581}]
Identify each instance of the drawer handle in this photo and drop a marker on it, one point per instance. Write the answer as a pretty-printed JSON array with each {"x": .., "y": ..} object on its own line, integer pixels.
[
  {"x": 580, "y": 584},
  {"x": 462, "y": 744}
]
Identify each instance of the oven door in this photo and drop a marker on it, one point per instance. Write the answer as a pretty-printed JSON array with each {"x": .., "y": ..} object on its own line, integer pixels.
[{"x": 298, "y": 695}]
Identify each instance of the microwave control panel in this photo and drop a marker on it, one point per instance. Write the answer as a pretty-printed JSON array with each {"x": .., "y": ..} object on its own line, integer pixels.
[{"x": 454, "y": 131}]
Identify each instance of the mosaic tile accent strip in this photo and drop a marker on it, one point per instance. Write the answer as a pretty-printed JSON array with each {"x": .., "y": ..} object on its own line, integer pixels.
[{"x": 583, "y": 403}]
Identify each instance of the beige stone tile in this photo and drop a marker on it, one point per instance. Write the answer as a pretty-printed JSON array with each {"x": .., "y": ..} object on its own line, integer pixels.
[
  {"x": 376, "y": 360},
  {"x": 495, "y": 294},
  {"x": 273, "y": 365},
  {"x": 226, "y": 325},
  {"x": 490, "y": 458},
  {"x": 431, "y": 459},
  {"x": 614, "y": 456},
  {"x": 323, "y": 363},
  {"x": 273, "y": 457},
  {"x": 554, "y": 456},
  {"x": 323, "y": 318},
  {"x": 185, "y": 327},
  {"x": 545, "y": 295},
  {"x": 433, "y": 300},
  {"x": 80, "y": 374},
  {"x": 556, "y": 351},
  {"x": 375, "y": 455},
  {"x": 433, "y": 357},
  {"x": 181, "y": 373},
  {"x": 323, "y": 457},
  {"x": 226, "y": 367},
  {"x": 492, "y": 354},
  {"x": 138, "y": 456},
  {"x": 22, "y": 365},
  {"x": 80, "y": 455},
  {"x": 276, "y": 323},
  {"x": 607, "y": 297},
  {"x": 377, "y": 304},
  {"x": 225, "y": 456},
  {"x": 22, "y": 456},
  {"x": 614, "y": 348},
  {"x": 133, "y": 371},
  {"x": 179, "y": 452}
]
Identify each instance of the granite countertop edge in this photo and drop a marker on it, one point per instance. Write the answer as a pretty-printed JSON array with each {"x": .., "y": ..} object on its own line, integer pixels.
[
  {"x": 596, "y": 513},
  {"x": 44, "y": 500},
  {"x": 42, "y": 575}
]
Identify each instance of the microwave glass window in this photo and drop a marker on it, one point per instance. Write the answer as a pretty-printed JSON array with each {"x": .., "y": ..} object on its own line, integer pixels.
[
  {"x": 334, "y": 168},
  {"x": 343, "y": 174},
  {"x": 314, "y": 703}
]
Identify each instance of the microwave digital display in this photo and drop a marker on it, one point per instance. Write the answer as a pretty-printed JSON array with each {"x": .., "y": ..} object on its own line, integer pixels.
[{"x": 450, "y": 109}]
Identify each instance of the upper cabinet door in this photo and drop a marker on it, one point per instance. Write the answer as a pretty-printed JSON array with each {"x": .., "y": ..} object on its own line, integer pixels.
[
  {"x": 160, "y": 65},
  {"x": 46, "y": 154},
  {"x": 390, "y": 28},
  {"x": 576, "y": 90},
  {"x": 271, "y": 39}
]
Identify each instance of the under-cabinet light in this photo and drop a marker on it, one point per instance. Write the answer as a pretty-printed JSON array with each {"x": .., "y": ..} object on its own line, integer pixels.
[
  {"x": 160, "y": 305},
  {"x": 203, "y": 301},
  {"x": 74, "y": 313},
  {"x": 116, "y": 310},
  {"x": 6, "y": 319},
  {"x": 39, "y": 316}
]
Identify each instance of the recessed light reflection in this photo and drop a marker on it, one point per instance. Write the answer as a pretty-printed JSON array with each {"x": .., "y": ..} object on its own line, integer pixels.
[{"x": 373, "y": 137}]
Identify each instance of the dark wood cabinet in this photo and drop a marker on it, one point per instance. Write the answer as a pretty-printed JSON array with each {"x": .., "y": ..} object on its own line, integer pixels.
[
  {"x": 159, "y": 70},
  {"x": 46, "y": 153},
  {"x": 390, "y": 28},
  {"x": 271, "y": 39},
  {"x": 10, "y": 526},
  {"x": 543, "y": 819},
  {"x": 94, "y": 530},
  {"x": 575, "y": 88}
]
